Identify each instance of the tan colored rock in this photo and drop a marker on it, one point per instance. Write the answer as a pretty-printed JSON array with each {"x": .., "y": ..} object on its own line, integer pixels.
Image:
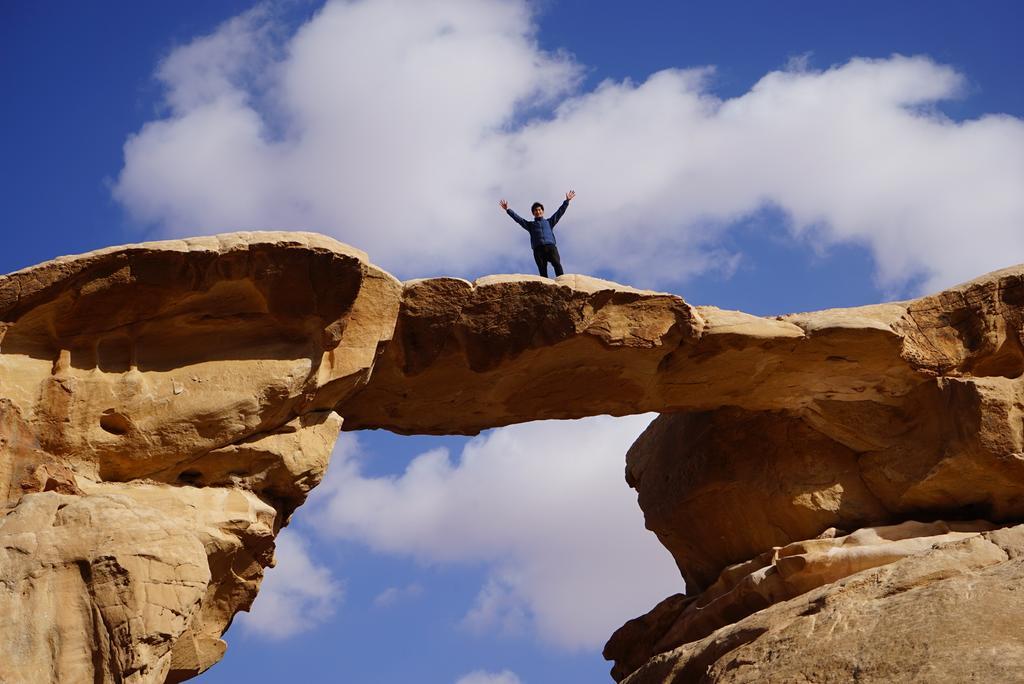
[
  {"x": 950, "y": 613},
  {"x": 125, "y": 360},
  {"x": 506, "y": 349},
  {"x": 723, "y": 486},
  {"x": 94, "y": 589},
  {"x": 164, "y": 408},
  {"x": 773, "y": 577},
  {"x": 731, "y": 491},
  {"x": 973, "y": 329},
  {"x": 124, "y": 575}
]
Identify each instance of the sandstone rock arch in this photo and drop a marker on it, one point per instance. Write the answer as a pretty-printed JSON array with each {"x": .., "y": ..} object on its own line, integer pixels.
[{"x": 186, "y": 395}]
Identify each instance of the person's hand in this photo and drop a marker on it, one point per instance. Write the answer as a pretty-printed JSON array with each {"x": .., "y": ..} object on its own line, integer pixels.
[
  {"x": 569, "y": 195},
  {"x": 504, "y": 205}
]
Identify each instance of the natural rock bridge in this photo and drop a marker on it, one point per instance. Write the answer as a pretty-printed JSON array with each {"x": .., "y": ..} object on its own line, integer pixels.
[{"x": 827, "y": 482}]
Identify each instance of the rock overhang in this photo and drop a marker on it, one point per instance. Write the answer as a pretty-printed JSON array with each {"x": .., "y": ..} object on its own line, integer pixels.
[{"x": 228, "y": 364}]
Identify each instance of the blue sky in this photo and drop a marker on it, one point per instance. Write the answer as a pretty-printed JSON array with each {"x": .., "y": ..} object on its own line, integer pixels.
[{"x": 837, "y": 154}]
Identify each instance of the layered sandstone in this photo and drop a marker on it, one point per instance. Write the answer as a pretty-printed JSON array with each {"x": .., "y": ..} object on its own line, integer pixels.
[
  {"x": 949, "y": 612},
  {"x": 508, "y": 349},
  {"x": 738, "y": 496},
  {"x": 783, "y": 573},
  {"x": 165, "y": 408}
]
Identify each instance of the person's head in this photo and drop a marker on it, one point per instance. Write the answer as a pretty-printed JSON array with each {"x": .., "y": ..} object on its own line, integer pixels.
[{"x": 537, "y": 209}]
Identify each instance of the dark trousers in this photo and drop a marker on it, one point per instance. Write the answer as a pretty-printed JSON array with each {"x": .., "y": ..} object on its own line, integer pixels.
[{"x": 545, "y": 253}]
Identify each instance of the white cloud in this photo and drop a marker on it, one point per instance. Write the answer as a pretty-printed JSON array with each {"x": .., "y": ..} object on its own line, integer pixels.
[
  {"x": 296, "y": 595},
  {"x": 482, "y": 677},
  {"x": 209, "y": 67},
  {"x": 852, "y": 154},
  {"x": 543, "y": 505},
  {"x": 393, "y": 595},
  {"x": 498, "y": 606},
  {"x": 395, "y": 126},
  {"x": 390, "y": 113}
]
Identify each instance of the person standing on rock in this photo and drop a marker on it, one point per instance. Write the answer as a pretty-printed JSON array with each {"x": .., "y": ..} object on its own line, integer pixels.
[{"x": 542, "y": 233}]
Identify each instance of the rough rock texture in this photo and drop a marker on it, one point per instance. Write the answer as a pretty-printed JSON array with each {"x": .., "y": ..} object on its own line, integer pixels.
[
  {"x": 165, "y": 408},
  {"x": 773, "y": 577},
  {"x": 732, "y": 491},
  {"x": 950, "y": 613},
  {"x": 953, "y": 448},
  {"x": 127, "y": 582},
  {"x": 507, "y": 349}
]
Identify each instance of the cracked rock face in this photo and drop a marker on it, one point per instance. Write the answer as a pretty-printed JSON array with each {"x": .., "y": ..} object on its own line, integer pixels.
[
  {"x": 823, "y": 480},
  {"x": 948, "y": 613},
  {"x": 164, "y": 409},
  {"x": 749, "y": 502},
  {"x": 508, "y": 349}
]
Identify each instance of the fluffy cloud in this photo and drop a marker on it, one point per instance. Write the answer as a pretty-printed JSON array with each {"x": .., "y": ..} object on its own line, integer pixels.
[
  {"x": 482, "y": 677},
  {"x": 296, "y": 595},
  {"x": 397, "y": 125},
  {"x": 543, "y": 505},
  {"x": 381, "y": 125},
  {"x": 393, "y": 595},
  {"x": 856, "y": 153}
]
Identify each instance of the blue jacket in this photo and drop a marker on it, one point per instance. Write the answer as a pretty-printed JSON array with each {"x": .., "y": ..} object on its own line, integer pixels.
[{"x": 542, "y": 229}]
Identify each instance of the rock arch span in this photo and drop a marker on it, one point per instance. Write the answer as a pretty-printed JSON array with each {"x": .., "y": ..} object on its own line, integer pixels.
[{"x": 166, "y": 407}]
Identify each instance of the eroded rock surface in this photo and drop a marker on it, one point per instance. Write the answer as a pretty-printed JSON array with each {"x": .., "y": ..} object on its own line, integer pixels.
[
  {"x": 776, "y": 576},
  {"x": 949, "y": 613},
  {"x": 735, "y": 492},
  {"x": 508, "y": 349},
  {"x": 165, "y": 408}
]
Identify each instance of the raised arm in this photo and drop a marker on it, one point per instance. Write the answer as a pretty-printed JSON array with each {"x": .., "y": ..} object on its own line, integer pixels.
[
  {"x": 561, "y": 210},
  {"x": 515, "y": 217}
]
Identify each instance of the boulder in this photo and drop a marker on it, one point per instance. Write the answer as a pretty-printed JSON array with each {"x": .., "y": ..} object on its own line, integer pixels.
[{"x": 950, "y": 613}]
